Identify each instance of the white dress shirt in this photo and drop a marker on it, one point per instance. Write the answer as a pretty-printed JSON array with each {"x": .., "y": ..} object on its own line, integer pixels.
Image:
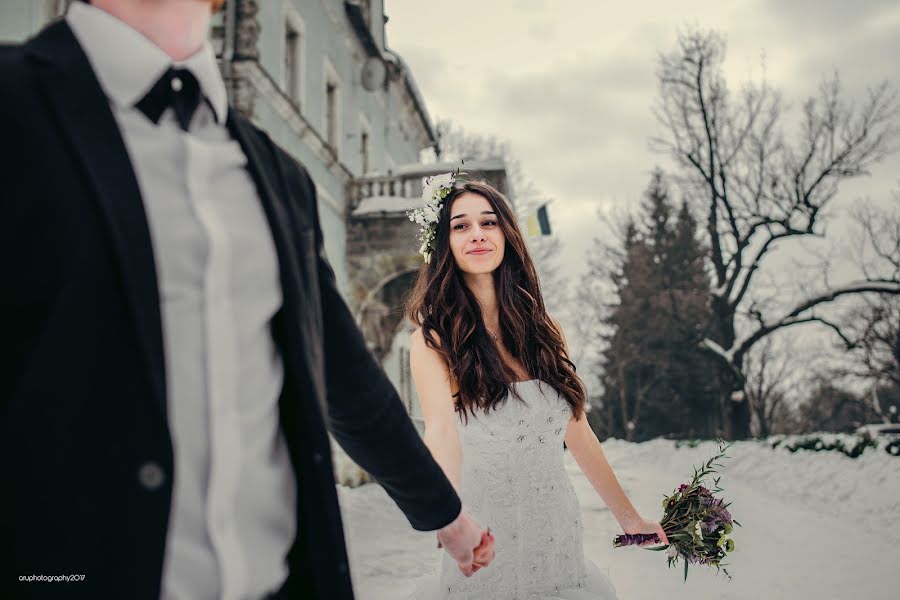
[{"x": 233, "y": 513}]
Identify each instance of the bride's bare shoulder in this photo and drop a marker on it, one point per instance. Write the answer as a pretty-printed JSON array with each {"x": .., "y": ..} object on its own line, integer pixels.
[
  {"x": 426, "y": 360},
  {"x": 418, "y": 343}
]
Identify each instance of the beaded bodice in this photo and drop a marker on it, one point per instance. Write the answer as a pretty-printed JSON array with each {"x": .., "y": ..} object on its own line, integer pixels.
[{"x": 514, "y": 481}]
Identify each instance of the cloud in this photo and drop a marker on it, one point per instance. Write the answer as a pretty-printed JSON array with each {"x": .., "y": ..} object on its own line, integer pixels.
[
  {"x": 542, "y": 32},
  {"x": 823, "y": 18},
  {"x": 427, "y": 63},
  {"x": 866, "y": 59},
  {"x": 573, "y": 87},
  {"x": 529, "y": 4}
]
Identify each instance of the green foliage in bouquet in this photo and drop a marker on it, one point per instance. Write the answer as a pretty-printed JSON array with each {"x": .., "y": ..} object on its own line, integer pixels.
[{"x": 696, "y": 523}]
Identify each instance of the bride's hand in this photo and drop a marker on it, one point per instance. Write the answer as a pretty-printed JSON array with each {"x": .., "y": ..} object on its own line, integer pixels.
[{"x": 641, "y": 525}]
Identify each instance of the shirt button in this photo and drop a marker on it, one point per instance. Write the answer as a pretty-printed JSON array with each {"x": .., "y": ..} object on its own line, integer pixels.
[
  {"x": 176, "y": 84},
  {"x": 151, "y": 475}
]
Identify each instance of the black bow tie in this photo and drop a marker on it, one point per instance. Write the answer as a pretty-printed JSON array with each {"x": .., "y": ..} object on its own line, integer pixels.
[{"x": 177, "y": 88}]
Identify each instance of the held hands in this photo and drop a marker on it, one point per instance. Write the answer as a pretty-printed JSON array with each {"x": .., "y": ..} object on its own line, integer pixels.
[
  {"x": 484, "y": 553},
  {"x": 641, "y": 525},
  {"x": 467, "y": 544}
]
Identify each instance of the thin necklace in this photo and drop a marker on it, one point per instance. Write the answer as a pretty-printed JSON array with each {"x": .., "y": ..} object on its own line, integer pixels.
[{"x": 493, "y": 335}]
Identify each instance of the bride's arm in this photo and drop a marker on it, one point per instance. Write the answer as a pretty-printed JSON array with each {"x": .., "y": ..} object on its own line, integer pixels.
[
  {"x": 463, "y": 538},
  {"x": 588, "y": 453},
  {"x": 432, "y": 379},
  {"x": 582, "y": 442}
]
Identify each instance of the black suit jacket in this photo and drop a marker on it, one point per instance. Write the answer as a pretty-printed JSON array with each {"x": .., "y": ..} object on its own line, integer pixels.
[{"x": 82, "y": 380}]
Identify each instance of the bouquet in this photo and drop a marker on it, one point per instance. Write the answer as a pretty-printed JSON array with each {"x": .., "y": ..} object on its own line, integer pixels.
[{"x": 696, "y": 522}]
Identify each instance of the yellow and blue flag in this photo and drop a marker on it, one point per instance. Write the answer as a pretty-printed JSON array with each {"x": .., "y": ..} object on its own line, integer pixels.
[{"x": 539, "y": 222}]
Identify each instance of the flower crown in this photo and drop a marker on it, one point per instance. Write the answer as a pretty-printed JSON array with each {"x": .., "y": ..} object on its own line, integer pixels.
[{"x": 434, "y": 190}]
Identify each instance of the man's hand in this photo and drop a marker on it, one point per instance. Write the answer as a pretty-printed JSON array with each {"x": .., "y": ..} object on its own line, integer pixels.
[
  {"x": 484, "y": 553},
  {"x": 465, "y": 542}
]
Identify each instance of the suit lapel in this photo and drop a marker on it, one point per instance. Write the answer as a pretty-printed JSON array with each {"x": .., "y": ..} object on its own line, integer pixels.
[
  {"x": 260, "y": 161},
  {"x": 84, "y": 114},
  {"x": 300, "y": 337}
]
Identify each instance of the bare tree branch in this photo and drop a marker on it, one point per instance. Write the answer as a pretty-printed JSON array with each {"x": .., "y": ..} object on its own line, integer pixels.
[{"x": 795, "y": 317}]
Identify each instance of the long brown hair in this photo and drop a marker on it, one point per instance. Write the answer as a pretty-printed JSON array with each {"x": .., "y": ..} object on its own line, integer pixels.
[{"x": 441, "y": 303}]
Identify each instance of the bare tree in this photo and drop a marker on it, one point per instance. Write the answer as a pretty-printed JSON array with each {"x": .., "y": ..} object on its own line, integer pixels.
[
  {"x": 595, "y": 296},
  {"x": 871, "y": 340},
  {"x": 759, "y": 190},
  {"x": 875, "y": 345},
  {"x": 871, "y": 331},
  {"x": 770, "y": 384}
]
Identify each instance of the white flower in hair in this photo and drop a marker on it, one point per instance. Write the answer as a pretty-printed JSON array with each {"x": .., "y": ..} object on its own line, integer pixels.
[
  {"x": 434, "y": 190},
  {"x": 431, "y": 184}
]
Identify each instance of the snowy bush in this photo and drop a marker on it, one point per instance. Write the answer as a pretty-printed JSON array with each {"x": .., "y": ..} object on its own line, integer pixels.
[{"x": 851, "y": 445}]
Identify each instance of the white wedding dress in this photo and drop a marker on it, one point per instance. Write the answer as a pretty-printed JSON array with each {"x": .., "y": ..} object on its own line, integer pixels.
[{"x": 514, "y": 481}]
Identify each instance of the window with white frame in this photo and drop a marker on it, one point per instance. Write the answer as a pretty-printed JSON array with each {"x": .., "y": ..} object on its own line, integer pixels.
[
  {"x": 365, "y": 144},
  {"x": 294, "y": 55},
  {"x": 332, "y": 107}
]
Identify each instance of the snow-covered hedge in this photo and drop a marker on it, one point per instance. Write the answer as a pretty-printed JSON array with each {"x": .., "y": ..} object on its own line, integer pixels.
[{"x": 851, "y": 445}]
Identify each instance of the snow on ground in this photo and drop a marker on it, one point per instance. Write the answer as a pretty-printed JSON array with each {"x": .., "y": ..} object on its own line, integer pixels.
[{"x": 815, "y": 526}]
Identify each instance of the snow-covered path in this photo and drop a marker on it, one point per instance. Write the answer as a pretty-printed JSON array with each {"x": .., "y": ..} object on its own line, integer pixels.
[{"x": 815, "y": 525}]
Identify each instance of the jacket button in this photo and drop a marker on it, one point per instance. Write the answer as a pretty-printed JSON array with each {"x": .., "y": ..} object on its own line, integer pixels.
[
  {"x": 151, "y": 475},
  {"x": 342, "y": 568},
  {"x": 317, "y": 458}
]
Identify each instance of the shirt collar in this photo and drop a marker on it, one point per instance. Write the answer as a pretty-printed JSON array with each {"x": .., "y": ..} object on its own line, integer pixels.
[{"x": 127, "y": 64}]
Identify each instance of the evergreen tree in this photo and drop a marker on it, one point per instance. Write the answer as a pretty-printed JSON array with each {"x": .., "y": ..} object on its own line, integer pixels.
[
  {"x": 655, "y": 380},
  {"x": 628, "y": 372},
  {"x": 694, "y": 374}
]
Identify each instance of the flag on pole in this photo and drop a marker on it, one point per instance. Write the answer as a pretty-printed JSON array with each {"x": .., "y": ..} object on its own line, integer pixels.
[{"x": 539, "y": 222}]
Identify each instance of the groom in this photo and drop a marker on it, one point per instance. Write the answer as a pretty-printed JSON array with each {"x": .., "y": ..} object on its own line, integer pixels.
[{"x": 173, "y": 340}]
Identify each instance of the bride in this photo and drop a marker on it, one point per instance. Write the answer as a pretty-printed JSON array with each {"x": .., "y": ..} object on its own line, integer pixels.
[{"x": 499, "y": 396}]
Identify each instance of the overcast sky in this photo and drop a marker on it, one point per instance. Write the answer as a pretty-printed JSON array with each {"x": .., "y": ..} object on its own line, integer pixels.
[{"x": 572, "y": 83}]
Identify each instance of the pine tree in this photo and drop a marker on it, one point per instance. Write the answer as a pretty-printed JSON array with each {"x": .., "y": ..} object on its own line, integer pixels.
[
  {"x": 627, "y": 370},
  {"x": 655, "y": 380},
  {"x": 695, "y": 374}
]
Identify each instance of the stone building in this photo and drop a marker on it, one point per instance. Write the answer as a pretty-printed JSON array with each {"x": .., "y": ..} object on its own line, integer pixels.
[{"x": 318, "y": 76}]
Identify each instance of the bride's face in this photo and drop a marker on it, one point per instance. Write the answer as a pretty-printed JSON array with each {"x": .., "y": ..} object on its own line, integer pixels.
[{"x": 476, "y": 239}]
